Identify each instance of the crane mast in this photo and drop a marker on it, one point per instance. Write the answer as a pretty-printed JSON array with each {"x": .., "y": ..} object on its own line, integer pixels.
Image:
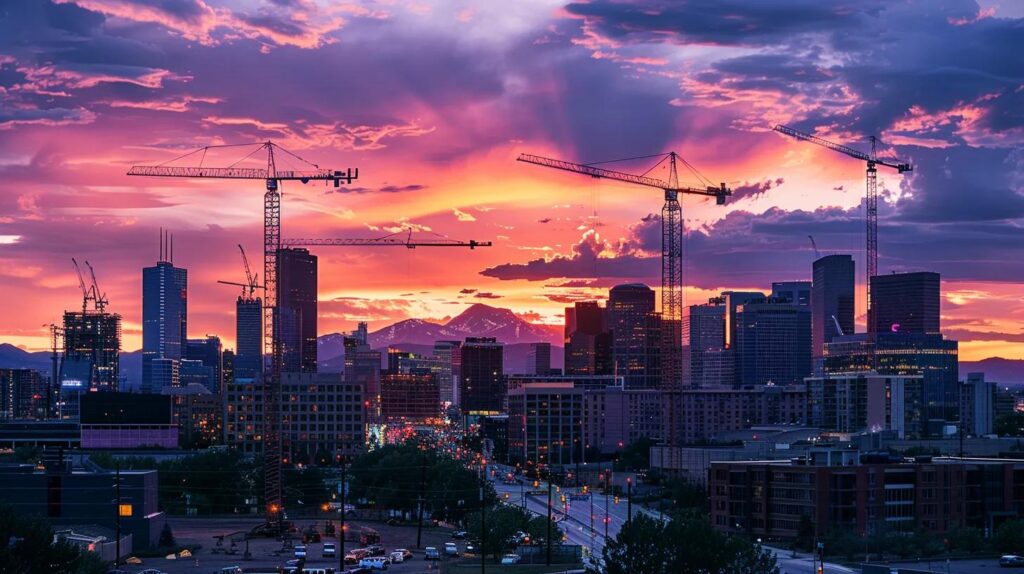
[
  {"x": 870, "y": 199},
  {"x": 671, "y": 255},
  {"x": 271, "y": 244}
]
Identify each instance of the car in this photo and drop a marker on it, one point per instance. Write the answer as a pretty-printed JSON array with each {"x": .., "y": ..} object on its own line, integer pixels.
[
  {"x": 450, "y": 549},
  {"x": 406, "y": 553},
  {"x": 374, "y": 563},
  {"x": 300, "y": 551},
  {"x": 355, "y": 555},
  {"x": 459, "y": 534},
  {"x": 431, "y": 553},
  {"x": 511, "y": 559},
  {"x": 329, "y": 550},
  {"x": 376, "y": 550},
  {"x": 228, "y": 570},
  {"x": 470, "y": 548},
  {"x": 151, "y": 571},
  {"x": 396, "y": 557},
  {"x": 1011, "y": 561}
]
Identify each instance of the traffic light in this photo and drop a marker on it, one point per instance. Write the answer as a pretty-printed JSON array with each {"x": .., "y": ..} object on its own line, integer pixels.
[
  {"x": 616, "y": 500},
  {"x": 536, "y": 484}
]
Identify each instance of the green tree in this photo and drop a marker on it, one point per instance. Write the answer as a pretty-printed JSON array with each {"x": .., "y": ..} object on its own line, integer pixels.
[
  {"x": 685, "y": 545},
  {"x": 966, "y": 539},
  {"x": 502, "y": 522},
  {"x": 636, "y": 456},
  {"x": 34, "y": 552},
  {"x": 1009, "y": 537},
  {"x": 1010, "y": 424},
  {"x": 166, "y": 537}
]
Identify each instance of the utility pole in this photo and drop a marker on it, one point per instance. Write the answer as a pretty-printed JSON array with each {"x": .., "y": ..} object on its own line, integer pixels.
[
  {"x": 483, "y": 521},
  {"x": 117, "y": 509},
  {"x": 548, "y": 560},
  {"x": 629, "y": 500},
  {"x": 341, "y": 527},
  {"x": 423, "y": 485},
  {"x": 607, "y": 517}
]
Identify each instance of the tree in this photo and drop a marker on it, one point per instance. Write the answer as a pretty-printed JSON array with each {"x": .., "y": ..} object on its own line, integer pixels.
[
  {"x": 26, "y": 546},
  {"x": 167, "y": 537},
  {"x": 641, "y": 546},
  {"x": 1010, "y": 424},
  {"x": 636, "y": 456},
  {"x": 502, "y": 523},
  {"x": 685, "y": 545},
  {"x": 1009, "y": 537}
]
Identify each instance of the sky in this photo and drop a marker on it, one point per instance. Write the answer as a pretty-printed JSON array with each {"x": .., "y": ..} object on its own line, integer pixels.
[{"x": 433, "y": 102}]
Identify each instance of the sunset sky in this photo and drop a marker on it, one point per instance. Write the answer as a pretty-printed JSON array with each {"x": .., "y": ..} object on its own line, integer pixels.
[{"x": 433, "y": 101}]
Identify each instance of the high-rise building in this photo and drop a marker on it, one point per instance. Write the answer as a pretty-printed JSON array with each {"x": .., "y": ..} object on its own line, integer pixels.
[
  {"x": 588, "y": 342},
  {"x": 249, "y": 337},
  {"x": 539, "y": 359},
  {"x": 795, "y": 292},
  {"x": 545, "y": 423},
  {"x": 362, "y": 367},
  {"x": 832, "y": 303},
  {"x": 866, "y": 402},
  {"x": 450, "y": 353},
  {"x": 734, "y": 299},
  {"x": 636, "y": 335},
  {"x": 164, "y": 322},
  {"x": 296, "y": 316},
  {"x": 704, "y": 345},
  {"x": 931, "y": 356},
  {"x": 905, "y": 303},
  {"x": 413, "y": 396},
  {"x": 209, "y": 352},
  {"x": 92, "y": 345},
  {"x": 24, "y": 394},
  {"x": 482, "y": 382},
  {"x": 773, "y": 342},
  {"x": 977, "y": 405}
]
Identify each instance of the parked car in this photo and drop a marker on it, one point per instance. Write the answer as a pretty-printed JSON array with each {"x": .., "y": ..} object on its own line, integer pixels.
[
  {"x": 431, "y": 553},
  {"x": 355, "y": 555},
  {"x": 151, "y": 571},
  {"x": 450, "y": 549},
  {"x": 376, "y": 550},
  {"x": 330, "y": 550},
  {"x": 1011, "y": 561},
  {"x": 396, "y": 557},
  {"x": 511, "y": 559},
  {"x": 403, "y": 554},
  {"x": 459, "y": 534},
  {"x": 374, "y": 563}
]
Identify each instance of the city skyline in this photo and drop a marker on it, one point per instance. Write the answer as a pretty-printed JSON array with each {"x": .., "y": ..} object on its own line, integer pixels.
[{"x": 435, "y": 121}]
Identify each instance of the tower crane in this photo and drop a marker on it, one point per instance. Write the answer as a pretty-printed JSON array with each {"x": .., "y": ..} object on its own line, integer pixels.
[
  {"x": 272, "y": 177},
  {"x": 88, "y": 294},
  {"x": 870, "y": 196},
  {"x": 385, "y": 241},
  {"x": 99, "y": 299},
  {"x": 251, "y": 280},
  {"x": 671, "y": 245}
]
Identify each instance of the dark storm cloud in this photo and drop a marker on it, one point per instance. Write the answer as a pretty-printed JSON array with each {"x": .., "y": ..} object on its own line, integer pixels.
[
  {"x": 754, "y": 189},
  {"x": 728, "y": 22}
]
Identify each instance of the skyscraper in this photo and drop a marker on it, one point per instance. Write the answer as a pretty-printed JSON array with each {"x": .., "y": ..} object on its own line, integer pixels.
[
  {"x": 209, "y": 352},
  {"x": 296, "y": 317},
  {"x": 92, "y": 345},
  {"x": 796, "y": 292},
  {"x": 704, "y": 344},
  {"x": 450, "y": 353},
  {"x": 539, "y": 359},
  {"x": 482, "y": 382},
  {"x": 636, "y": 335},
  {"x": 832, "y": 302},
  {"x": 362, "y": 367},
  {"x": 164, "y": 321},
  {"x": 773, "y": 342},
  {"x": 905, "y": 303},
  {"x": 588, "y": 343},
  {"x": 249, "y": 337}
]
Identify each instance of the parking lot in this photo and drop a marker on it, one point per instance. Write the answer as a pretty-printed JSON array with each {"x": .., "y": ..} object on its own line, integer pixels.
[{"x": 267, "y": 554}]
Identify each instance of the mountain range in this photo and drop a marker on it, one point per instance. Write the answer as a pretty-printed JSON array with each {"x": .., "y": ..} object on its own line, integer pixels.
[{"x": 479, "y": 320}]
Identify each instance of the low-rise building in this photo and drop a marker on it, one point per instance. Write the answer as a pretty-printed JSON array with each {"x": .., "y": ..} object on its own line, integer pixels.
[{"x": 770, "y": 498}]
